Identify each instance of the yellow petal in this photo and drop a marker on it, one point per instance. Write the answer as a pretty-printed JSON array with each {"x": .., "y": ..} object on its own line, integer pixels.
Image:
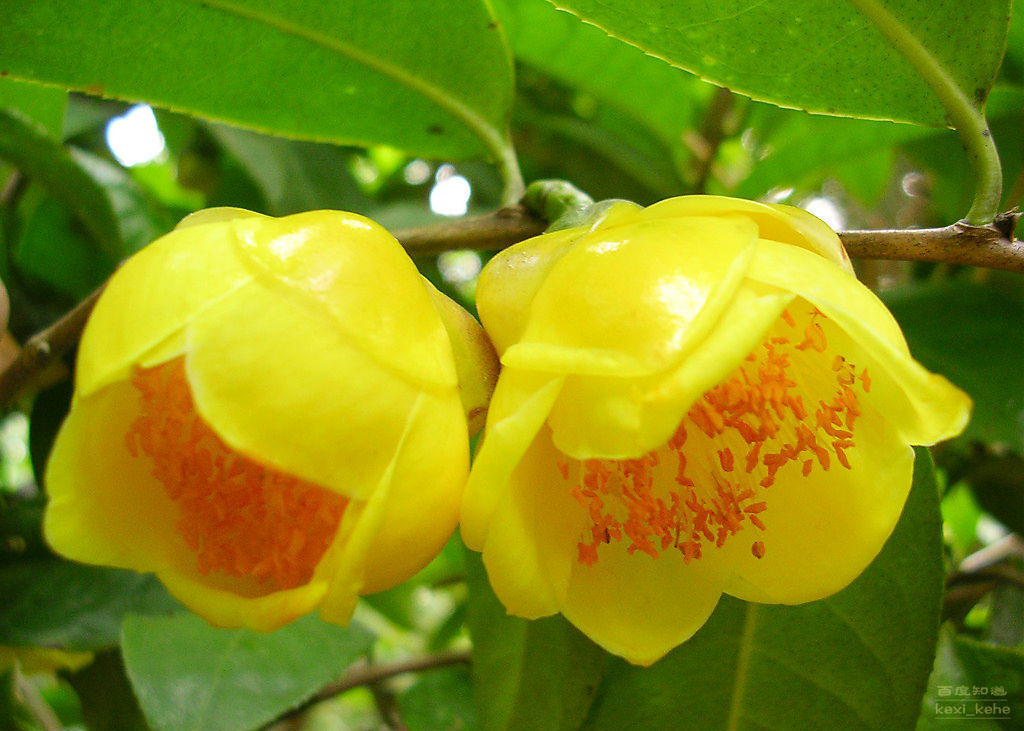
[
  {"x": 215, "y": 215},
  {"x": 92, "y": 515},
  {"x": 409, "y": 515},
  {"x": 424, "y": 496},
  {"x": 152, "y": 297},
  {"x": 925, "y": 407},
  {"x": 510, "y": 281},
  {"x": 784, "y": 224},
  {"x": 619, "y": 418},
  {"x": 823, "y": 530},
  {"x": 106, "y": 508},
  {"x": 520, "y": 405},
  {"x": 649, "y": 292},
  {"x": 640, "y": 607},
  {"x": 281, "y": 384},
  {"x": 531, "y": 546},
  {"x": 227, "y": 608},
  {"x": 359, "y": 275},
  {"x": 476, "y": 363}
]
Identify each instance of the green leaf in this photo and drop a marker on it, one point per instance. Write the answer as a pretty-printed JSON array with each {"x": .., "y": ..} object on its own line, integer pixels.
[
  {"x": 294, "y": 176},
  {"x": 431, "y": 78},
  {"x": 106, "y": 697},
  {"x": 997, "y": 481},
  {"x": 441, "y": 700},
  {"x": 857, "y": 660},
  {"x": 49, "y": 408},
  {"x": 943, "y": 158},
  {"x": 21, "y": 534},
  {"x": 599, "y": 154},
  {"x": 44, "y": 104},
  {"x": 54, "y": 251},
  {"x": 968, "y": 666},
  {"x": 539, "y": 675},
  {"x": 189, "y": 675},
  {"x": 970, "y": 334},
  {"x": 651, "y": 91},
  {"x": 59, "y": 604},
  {"x": 799, "y": 150},
  {"x": 822, "y": 57},
  {"x": 103, "y": 196}
]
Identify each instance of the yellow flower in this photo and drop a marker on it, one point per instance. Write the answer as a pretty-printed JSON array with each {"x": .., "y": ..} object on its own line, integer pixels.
[
  {"x": 697, "y": 397},
  {"x": 267, "y": 416}
]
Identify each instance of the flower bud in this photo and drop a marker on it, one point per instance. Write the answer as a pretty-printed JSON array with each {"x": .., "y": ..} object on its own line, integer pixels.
[{"x": 267, "y": 416}]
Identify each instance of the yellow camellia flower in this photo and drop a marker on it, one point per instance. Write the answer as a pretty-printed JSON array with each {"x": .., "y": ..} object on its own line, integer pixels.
[
  {"x": 268, "y": 416},
  {"x": 697, "y": 397}
]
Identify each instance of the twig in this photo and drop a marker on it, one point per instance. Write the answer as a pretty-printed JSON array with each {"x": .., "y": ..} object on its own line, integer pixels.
[
  {"x": 387, "y": 706},
  {"x": 489, "y": 232},
  {"x": 372, "y": 674},
  {"x": 45, "y": 347},
  {"x": 991, "y": 246},
  {"x": 981, "y": 573},
  {"x": 375, "y": 673},
  {"x": 704, "y": 142},
  {"x": 33, "y": 700}
]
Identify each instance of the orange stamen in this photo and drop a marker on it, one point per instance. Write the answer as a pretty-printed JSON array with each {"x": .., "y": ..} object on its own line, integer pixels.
[
  {"x": 239, "y": 517},
  {"x": 655, "y": 503}
]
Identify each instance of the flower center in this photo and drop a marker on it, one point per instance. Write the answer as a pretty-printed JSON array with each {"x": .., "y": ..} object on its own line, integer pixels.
[
  {"x": 741, "y": 433},
  {"x": 240, "y": 518}
]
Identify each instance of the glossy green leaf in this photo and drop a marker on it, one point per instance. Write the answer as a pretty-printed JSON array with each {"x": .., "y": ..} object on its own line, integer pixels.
[
  {"x": 441, "y": 700},
  {"x": 823, "y": 57},
  {"x": 59, "y": 604},
  {"x": 188, "y": 675},
  {"x": 430, "y": 78},
  {"x": 663, "y": 98},
  {"x": 600, "y": 154},
  {"x": 858, "y": 660},
  {"x": 294, "y": 176},
  {"x": 971, "y": 334},
  {"x": 799, "y": 150},
  {"x": 54, "y": 251},
  {"x": 539, "y": 675},
  {"x": 103, "y": 196},
  {"x": 1013, "y": 64},
  {"x": 44, "y": 104}
]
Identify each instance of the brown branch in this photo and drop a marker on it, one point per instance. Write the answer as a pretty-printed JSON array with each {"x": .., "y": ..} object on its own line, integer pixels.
[
  {"x": 704, "y": 142},
  {"x": 489, "y": 232},
  {"x": 45, "y": 348},
  {"x": 373, "y": 674},
  {"x": 990, "y": 246}
]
